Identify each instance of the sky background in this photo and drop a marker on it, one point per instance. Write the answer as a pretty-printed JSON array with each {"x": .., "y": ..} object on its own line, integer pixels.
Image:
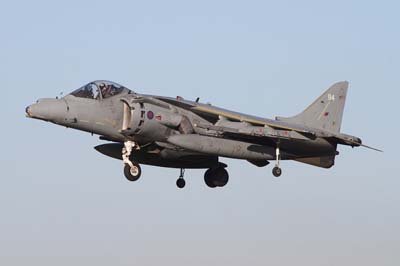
[{"x": 62, "y": 203}]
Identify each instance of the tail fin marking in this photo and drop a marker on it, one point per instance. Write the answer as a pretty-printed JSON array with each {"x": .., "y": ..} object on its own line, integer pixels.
[{"x": 326, "y": 112}]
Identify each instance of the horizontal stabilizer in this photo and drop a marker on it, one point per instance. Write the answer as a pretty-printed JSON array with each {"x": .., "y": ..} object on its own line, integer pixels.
[{"x": 324, "y": 162}]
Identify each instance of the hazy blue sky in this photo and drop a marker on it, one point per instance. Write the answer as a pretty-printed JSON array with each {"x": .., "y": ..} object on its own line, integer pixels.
[{"x": 62, "y": 203}]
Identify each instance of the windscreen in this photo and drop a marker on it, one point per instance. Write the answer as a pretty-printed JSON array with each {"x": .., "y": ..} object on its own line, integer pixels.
[
  {"x": 89, "y": 91},
  {"x": 98, "y": 90}
]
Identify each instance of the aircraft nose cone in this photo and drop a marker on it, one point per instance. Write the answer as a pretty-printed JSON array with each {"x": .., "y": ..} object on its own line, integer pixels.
[
  {"x": 53, "y": 110},
  {"x": 27, "y": 111}
]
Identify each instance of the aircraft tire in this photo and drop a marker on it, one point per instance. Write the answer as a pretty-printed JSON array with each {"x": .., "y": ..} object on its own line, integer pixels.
[
  {"x": 221, "y": 177},
  {"x": 180, "y": 183},
  {"x": 132, "y": 174},
  {"x": 217, "y": 177},
  {"x": 277, "y": 171},
  {"x": 208, "y": 179}
]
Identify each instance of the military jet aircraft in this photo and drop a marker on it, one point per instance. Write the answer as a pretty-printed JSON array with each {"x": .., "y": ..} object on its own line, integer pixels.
[{"x": 184, "y": 134}]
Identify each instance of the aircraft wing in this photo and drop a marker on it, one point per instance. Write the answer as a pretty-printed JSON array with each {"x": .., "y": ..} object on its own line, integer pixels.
[
  {"x": 213, "y": 114},
  {"x": 253, "y": 134},
  {"x": 260, "y": 129}
]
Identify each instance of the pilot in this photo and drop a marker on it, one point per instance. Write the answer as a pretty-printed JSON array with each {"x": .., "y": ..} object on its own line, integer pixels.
[
  {"x": 102, "y": 86},
  {"x": 103, "y": 89},
  {"x": 106, "y": 90}
]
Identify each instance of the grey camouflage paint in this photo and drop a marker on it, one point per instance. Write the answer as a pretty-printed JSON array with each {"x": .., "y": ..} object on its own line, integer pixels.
[{"x": 173, "y": 132}]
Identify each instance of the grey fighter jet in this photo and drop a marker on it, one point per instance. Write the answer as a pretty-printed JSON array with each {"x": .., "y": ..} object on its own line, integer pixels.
[{"x": 184, "y": 134}]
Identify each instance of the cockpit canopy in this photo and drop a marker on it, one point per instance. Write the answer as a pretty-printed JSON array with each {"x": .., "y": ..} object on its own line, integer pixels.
[{"x": 100, "y": 89}]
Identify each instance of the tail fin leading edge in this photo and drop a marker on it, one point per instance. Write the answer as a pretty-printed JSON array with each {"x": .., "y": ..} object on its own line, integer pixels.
[{"x": 326, "y": 112}]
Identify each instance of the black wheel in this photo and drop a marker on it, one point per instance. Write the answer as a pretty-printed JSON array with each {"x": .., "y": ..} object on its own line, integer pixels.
[
  {"x": 221, "y": 177},
  {"x": 132, "y": 174},
  {"x": 180, "y": 183},
  {"x": 217, "y": 177},
  {"x": 277, "y": 171},
  {"x": 208, "y": 179}
]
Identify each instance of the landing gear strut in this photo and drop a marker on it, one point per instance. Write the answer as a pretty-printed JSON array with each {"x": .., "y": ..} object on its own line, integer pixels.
[
  {"x": 132, "y": 170},
  {"x": 180, "y": 183},
  {"x": 277, "y": 171}
]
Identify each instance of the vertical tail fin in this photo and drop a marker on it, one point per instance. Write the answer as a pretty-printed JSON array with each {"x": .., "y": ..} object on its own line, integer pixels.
[{"x": 326, "y": 112}]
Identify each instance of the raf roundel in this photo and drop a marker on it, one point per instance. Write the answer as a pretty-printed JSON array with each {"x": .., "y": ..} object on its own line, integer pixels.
[{"x": 150, "y": 115}]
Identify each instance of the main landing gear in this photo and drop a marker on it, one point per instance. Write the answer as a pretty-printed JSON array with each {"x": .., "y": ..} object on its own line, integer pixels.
[
  {"x": 277, "y": 171},
  {"x": 213, "y": 177},
  {"x": 132, "y": 170},
  {"x": 216, "y": 177}
]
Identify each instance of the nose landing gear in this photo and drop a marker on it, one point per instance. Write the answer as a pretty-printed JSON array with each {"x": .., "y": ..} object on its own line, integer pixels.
[
  {"x": 132, "y": 173},
  {"x": 132, "y": 170}
]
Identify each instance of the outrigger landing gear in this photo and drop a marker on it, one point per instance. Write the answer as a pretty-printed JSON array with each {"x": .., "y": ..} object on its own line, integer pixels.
[
  {"x": 132, "y": 170},
  {"x": 180, "y": 183},
  {"x": 277, "y": 171}
]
